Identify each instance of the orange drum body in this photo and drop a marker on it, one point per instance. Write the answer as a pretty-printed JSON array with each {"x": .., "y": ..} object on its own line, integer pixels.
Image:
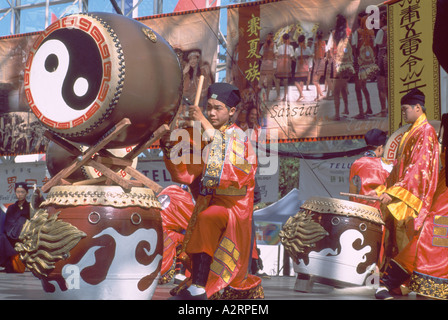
[
  {"x": 95, "y": 242},
  {"x": 86, "y": 72},
  {"x": 348, "y": 248}
]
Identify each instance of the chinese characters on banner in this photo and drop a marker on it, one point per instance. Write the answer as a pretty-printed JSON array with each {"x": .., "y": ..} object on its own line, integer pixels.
[
  {"x": 248, "y": 65},
  {"x": 412, "y": 61}
]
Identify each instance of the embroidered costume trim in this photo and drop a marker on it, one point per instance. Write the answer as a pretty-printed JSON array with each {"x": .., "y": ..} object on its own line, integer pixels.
[{"x": 429, "y": 286}]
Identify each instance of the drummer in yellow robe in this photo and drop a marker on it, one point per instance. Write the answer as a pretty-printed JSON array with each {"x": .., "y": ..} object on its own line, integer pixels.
[{"x": 410, "y": 188}]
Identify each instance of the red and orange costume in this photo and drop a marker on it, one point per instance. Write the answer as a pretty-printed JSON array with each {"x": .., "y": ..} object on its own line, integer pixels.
[
  {"x": 367, "y": 175},
  {"x": 177, "y": 207},
  {"x": 225, "y": 205},
  {"x": 412, "y": 183},
  {"x": 430, "y": 276},
  {"x": 413, "y": 179}
]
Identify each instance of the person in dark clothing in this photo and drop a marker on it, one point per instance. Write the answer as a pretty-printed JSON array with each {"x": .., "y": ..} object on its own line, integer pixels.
[
  {"x": 439, "y": 44},
  {"x": 16, "y": 215}
]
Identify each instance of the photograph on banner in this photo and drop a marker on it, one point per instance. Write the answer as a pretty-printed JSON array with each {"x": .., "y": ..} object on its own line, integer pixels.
[
  {"x": 314, "y": 69},
  {"x": 193, "y": 35},
  {"x": 20, "y": 130},
  {"x": 267, "y": 232}
]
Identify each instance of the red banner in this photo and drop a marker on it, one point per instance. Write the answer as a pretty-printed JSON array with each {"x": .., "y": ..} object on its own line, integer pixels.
[{"x": 248, "y": 69}]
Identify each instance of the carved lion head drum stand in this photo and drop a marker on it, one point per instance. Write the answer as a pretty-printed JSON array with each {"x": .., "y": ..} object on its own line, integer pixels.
[{"x": 96, "y": 80}]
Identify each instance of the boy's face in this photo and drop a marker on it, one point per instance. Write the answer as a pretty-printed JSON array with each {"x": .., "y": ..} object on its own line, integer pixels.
[{"x": 218, "y": 114}]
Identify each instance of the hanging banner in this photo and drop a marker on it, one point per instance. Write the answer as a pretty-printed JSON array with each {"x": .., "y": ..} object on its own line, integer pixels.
[
  {"x": 20, "y": 131},
  {"x": 412, "y": 61},
  {"x": 311, "y": 98}
]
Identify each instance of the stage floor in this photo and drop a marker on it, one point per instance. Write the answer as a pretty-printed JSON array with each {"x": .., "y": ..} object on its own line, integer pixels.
[{"x": 25, "y": 286}]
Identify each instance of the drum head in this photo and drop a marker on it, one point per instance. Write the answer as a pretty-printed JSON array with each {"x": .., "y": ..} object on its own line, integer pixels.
[
  {"x": 87, "y": 72},
  {"x": 68, "y": 76}
]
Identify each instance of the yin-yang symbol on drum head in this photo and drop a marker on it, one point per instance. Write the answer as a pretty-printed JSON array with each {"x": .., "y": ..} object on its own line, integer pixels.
[{"x": 66, "y": 74}]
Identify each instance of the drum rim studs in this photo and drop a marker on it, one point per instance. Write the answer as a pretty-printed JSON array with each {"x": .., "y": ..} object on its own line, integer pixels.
[
  {"x": 335, "y": 221},
  {"x": 362, "y": 226},
  {"x": 90, "y": 217},
  {"x": 139, "y": 218}
]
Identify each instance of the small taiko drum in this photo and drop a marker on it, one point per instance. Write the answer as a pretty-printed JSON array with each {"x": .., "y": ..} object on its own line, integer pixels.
[
  {"x": 86, "y": 72},
  {"x": 95, "y": 242},
  {"x": 349, "y": 252}
]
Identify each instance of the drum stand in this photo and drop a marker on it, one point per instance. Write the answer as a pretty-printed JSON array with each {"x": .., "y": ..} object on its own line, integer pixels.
[
  {"x": 99, "y": 158},
  {"x": 308, "y": 284}
]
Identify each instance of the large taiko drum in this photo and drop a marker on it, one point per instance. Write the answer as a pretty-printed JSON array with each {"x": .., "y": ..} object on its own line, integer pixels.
[
  {"x": 86, "y": 72},
  {"x": 95, "y": 242},
  {"x": 349, "y": 251}
]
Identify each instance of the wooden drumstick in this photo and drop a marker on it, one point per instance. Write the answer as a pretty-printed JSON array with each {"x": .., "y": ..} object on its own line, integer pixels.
[
  {"x": 199, "y": 90},
  {"x": 206, "y": 125},
  {"x": 360, "y": 196}
]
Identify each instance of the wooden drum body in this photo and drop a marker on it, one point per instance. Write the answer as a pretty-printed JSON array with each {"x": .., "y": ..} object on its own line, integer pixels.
[
  {"x": 348, "y": 252},
  {"x": 95, "y": 242},
  {"x": 86, "y": 72}
]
